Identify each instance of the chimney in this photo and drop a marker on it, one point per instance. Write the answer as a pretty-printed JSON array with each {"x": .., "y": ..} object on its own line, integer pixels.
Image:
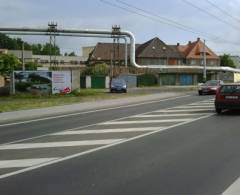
[
  {"x": 189, "y": 42},
  {"x": 198, "y": 39},
  {"x": 178, "y": 44}
]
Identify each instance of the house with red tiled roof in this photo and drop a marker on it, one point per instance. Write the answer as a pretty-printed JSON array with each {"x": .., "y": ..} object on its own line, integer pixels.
[
  {"x": 193, "y": 53},
  {"x": 156, "y": 52}
]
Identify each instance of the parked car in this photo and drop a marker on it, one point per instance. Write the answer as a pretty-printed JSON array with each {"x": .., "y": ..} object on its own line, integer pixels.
[
  {"x": 118, "y": 85},
  {"x": 227, "y": 97},
  {"x": 210, "y": 87}
]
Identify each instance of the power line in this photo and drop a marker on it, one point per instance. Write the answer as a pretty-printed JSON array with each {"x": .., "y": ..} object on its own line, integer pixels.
[
  {"x": 196, "y": 31},
  {"x": 222, "y": 10},
  {"x": 161, "y": 20},
  {"x": 181, "y": 27},
  {"x": 210, "y": 14}
]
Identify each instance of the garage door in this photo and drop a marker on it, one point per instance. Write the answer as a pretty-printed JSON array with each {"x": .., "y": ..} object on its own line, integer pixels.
[
  {"x": 168, "y": 79},
  {"x": 186, "y": 79},
  {"x": 98, "y": 82}
]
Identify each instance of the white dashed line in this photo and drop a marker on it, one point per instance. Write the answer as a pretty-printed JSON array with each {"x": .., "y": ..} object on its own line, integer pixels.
[
  {"x": 23, "y": 162},
  {"x": 233, "y": 189},
  {"x": 146, "y": 121},
  {"x": 58, "y": 144},
  {"x": 96, "y": 131}
]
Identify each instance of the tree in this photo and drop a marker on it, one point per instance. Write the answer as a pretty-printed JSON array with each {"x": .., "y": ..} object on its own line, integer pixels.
[
  {"x": 12, "y": 43},
  {"x": 37, "y": 49},
  {"x": 97, "y": 69},
  {"x": 8, "y": 63},
  {"x": 47, "y": 49},
  {"x": 72, "y": 54},
  {"x": 7, "y": 42},
  {"x": 31, "y": 66},
  {"x": 225, "y": 60}
]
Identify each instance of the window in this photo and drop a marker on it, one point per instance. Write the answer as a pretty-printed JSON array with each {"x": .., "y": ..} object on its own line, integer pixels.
[{"x": 192, "y": 62}]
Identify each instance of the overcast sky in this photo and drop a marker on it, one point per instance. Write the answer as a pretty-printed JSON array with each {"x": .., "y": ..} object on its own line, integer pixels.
[{"x": 146, "y": 24}]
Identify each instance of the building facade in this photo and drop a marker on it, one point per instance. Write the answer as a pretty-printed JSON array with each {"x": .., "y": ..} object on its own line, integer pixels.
[
  {"x": 193, "y": 54},
  {"x": 156, "y": 52},
  {"x": 46, "y": 60}
]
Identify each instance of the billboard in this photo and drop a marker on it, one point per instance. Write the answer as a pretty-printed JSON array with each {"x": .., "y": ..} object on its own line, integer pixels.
[
  {"x": 42, "y": 82},
  {"x": 61, "y": 82}
]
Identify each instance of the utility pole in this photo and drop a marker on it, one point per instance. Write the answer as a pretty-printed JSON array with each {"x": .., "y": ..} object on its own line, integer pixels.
[
  {"x": 23, "y": 64},
  {"x": 204, "y": 63},
  {"x": 52, "y": 28},
  {"x": 116, "y": 33},
  {"x": 111, "y": 67}
]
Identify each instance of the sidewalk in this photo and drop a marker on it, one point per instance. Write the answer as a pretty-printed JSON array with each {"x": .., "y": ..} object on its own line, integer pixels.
[{"x": 81, "y": 107}]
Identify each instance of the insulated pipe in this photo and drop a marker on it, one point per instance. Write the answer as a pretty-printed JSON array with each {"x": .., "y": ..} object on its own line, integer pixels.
[
  {"x": 84, "y": 31},
  {"x": 124, "y": 33},
  {"x": 182, "y": 67},
  {"x": 76, "y": 35}
]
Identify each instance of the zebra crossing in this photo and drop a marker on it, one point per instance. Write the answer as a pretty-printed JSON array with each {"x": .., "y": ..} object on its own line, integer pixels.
[{"x": 26, "y": 155}]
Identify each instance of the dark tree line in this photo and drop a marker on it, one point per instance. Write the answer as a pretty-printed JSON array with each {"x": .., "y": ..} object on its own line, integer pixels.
[{"x": 7, "y": 42}]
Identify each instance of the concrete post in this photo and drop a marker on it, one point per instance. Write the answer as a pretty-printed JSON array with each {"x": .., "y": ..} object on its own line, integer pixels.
[
  {"x": 75, "y": 79},
  {"x": 107, "y": 82},
  {"x": 195, "y": 79},
  {"x": 88, "y": 82}
]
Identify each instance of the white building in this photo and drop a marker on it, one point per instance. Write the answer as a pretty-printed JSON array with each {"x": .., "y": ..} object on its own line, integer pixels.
[{"x": 44, "y": 60}]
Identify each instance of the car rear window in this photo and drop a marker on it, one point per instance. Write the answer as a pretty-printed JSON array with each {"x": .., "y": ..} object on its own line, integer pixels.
[
  {"x": 118, "y": 82},
  {"x": 230, "y": 89},
  {"x": 212, "y": 83}
]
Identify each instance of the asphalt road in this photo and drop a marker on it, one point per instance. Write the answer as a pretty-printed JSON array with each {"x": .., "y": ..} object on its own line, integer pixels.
[{"x": 172, "y": 147}]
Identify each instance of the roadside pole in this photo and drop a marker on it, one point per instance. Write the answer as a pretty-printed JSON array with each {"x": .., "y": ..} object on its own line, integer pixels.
[
  {"x": 111, "y": 69},
  {"x": 23, "y": 64},
  {"x": 204, "y": 63}
]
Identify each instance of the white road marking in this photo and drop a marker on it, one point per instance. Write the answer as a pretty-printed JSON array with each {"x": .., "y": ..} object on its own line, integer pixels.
[
  {"x": 194, "y": 107},
  {"x": 91, "y": 111},
  {"x": 96, "y": 149},
  {"x": 58, "y": 144},
  {"x": 146, "y": 121},
  {"x": 233, "y": 189},
  {"x": 101, "y": 131},
  {"x": 82, "y": 127},
  {"x": 167, "y": 115},
  {"x": 204, "y": 104},
  {"x": 24, "y": 162},
  {"x": 180, "y": 110}
]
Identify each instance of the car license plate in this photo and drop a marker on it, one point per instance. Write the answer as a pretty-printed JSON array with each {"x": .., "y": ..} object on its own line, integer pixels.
[{"x": 231, "y": 97}]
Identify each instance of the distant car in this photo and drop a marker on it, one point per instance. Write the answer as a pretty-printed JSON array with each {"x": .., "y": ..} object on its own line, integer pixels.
[
  {"x": 210, "y": 87},
  {"x": 227, "y": 97},
  {"x": 118, "y": 85}
]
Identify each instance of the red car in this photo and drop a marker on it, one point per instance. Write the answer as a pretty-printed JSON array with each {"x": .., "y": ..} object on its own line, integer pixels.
[
  {"x": 227, "y": 97},
  {"x": 210, "y": 87}
]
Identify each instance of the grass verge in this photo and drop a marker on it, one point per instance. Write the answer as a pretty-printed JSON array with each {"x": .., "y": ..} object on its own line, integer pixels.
[{"x": 23, "y": 102}]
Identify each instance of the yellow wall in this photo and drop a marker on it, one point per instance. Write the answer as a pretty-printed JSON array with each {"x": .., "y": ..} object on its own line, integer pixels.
[{"x": 236, "y": 77}]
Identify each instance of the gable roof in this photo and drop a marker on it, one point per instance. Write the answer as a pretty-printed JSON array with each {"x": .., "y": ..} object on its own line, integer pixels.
[
  {"x": 155, "y": 48},
  {"x": 194, "y": 50},
  {"x": 102, "y": 51}
]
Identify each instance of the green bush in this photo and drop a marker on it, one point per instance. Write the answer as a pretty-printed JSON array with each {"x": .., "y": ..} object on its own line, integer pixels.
[
  {"x": 22, "y": 86},
  {"x": 147, "y": 80},
  {"x": 98, "y": 69}
]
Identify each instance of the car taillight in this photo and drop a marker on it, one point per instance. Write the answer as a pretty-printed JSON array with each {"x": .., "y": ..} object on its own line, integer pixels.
[{"x": 219, "y": 96}]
